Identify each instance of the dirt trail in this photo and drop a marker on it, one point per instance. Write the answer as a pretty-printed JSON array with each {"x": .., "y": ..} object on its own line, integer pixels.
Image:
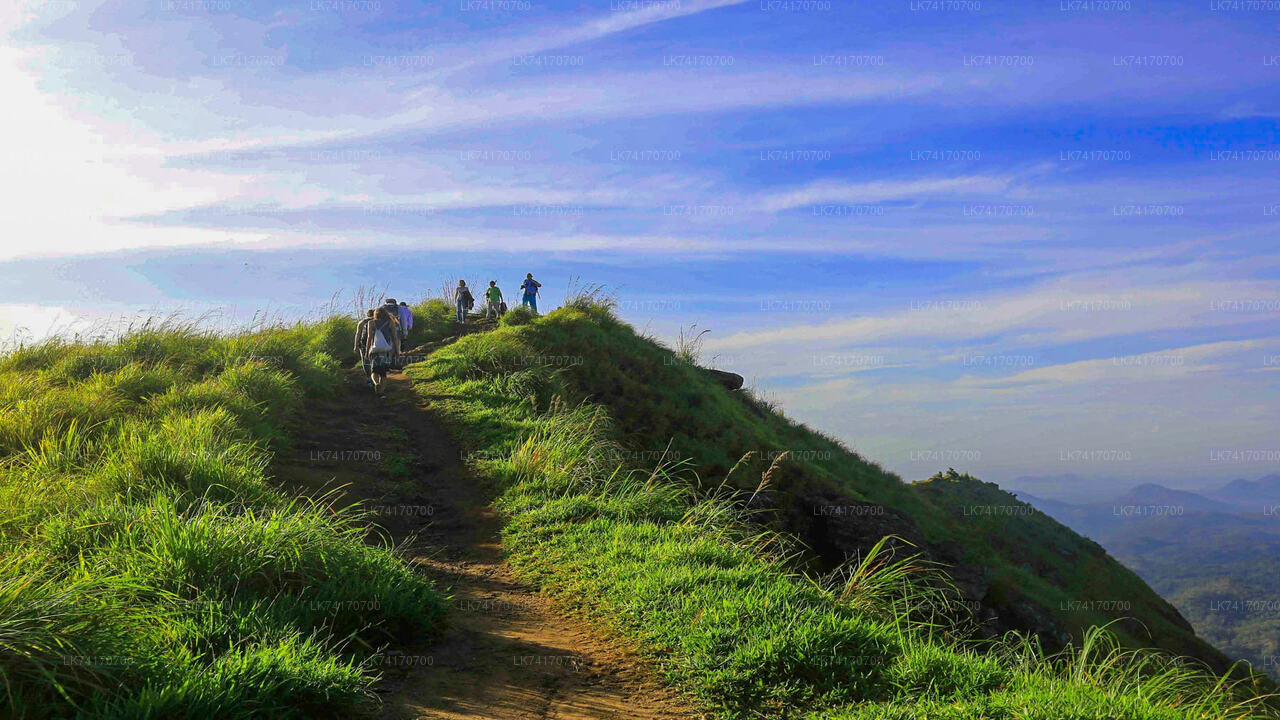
[{"x": 507, "y": 652}]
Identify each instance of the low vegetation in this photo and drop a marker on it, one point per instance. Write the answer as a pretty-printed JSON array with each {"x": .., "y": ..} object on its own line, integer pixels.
[
  {"x": 150, "y": 567},
  {"x": 673, "y": 547}
]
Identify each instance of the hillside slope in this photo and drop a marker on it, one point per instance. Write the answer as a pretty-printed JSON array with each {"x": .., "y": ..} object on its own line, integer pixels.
[
  {"x": 150, "y": 566},
  {"x": 618, "y": 463},
  {"x": 1021, "y": 569},
  {"x": 506, "y": 651}
]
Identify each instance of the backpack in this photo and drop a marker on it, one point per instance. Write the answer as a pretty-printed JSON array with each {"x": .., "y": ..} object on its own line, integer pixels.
[
  {"x": 467, "y": 301},
  {"x": 502, "y": 308},
  {"x": 380, "y": 342}
]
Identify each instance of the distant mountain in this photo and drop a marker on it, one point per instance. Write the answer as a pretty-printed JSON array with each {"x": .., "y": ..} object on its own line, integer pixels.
[
  {"x": 1212, "y": 554},
  {"x": 1088, "y": 520},
  {"x": 1250, "y": 493},
  {"x": 1154, "y": 497},
  {"x": 1136, "y": 506}
]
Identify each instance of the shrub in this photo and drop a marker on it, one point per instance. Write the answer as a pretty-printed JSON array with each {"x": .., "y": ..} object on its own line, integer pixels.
[
  {"x": 522, "y": 315},
  {"x": 433, "y": 320}
]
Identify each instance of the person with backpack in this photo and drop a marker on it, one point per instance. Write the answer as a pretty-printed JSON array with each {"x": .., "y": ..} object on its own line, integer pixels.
[
  {"x": 382, "y": 345},
  {"x": 493, "y": 300},
  {"x": 361, "y": 348},
  {"x": 406, "y": 321},
  {"x": 462, "y": 298},
  {"x": 530, "y": 287},
  {"x": 394, "y": 311}
]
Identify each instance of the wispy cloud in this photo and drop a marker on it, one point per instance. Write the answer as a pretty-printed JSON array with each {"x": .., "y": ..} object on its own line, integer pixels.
[
  {"x": 835, "y": 191},
  {"x": 984, "y": 221}
]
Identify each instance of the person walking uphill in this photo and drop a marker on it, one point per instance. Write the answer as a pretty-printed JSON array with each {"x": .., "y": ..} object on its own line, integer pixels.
[
  {"x": 530, "y": 287},
  {"x": 382, "y": 344},
  {"x": 462, "y": 298},
  {"x": 406, "y": 320},
  {"x": 395, "y": 311},
  {"x": 493, "y": 300},
  {"x": 401, "y": 315},
  {"x": 361, "y": 348}
]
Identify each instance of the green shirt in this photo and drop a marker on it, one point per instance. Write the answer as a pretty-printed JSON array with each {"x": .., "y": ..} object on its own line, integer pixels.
[{"x": 494, "y": 294}]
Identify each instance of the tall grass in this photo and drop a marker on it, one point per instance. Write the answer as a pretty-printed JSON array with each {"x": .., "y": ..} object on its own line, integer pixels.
[
  {"x": 683, "y": 566},
  {"x": 151, "y": 568}
]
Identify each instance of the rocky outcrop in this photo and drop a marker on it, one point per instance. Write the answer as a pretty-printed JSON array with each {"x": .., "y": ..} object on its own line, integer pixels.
[{"x": 732, "y": 381}]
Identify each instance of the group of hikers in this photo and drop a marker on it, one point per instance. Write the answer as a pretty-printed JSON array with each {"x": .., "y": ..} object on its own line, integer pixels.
[
  {"x": 383, "y": 332},
  {"x": 495, "y": 305},
  {"x": 380, "y": 335}
]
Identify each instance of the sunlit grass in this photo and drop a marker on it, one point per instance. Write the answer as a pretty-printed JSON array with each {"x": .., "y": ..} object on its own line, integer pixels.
[
  {"x": 678, "y": 563},
  {"x": 151, "y": 568}
]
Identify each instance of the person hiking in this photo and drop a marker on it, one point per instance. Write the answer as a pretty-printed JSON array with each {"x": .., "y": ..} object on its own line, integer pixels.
[
  {"x": 493, "y": 300},
  {"x": 361, "y": 348},
  {"x": 382, "y": 345},
  {"x": 462, "y": 298},
  {"x": 406, "y": 321},
  {"x": 530, "y": 287},
  {"x": 397, "y": 313},
  {"x": 394, "y": 309}
]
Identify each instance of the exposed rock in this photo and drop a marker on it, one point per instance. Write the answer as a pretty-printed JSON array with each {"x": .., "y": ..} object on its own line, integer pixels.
[{"x": 732, "y": 381}]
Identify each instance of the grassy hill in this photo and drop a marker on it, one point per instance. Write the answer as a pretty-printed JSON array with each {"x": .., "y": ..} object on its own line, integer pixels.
[
  {"x": 149, "y": 566},
  {"x": 1021, "y": 569},
  {"x": 152, "y": 567},
  {"x": 646, "y": 495}
]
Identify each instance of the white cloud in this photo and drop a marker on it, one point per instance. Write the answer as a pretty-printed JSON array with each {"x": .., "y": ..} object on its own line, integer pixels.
[
  {"x": 68, "y": 182},
  {"x": 1075, "y": 308},
  {"x": 1178, "y": 363},
  {"x": 834, "y": 191},
  {"x": 598, "y": 27}
]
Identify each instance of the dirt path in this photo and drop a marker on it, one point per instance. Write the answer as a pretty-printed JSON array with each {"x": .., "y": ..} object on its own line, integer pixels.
[{"x": 507, "y": 653}]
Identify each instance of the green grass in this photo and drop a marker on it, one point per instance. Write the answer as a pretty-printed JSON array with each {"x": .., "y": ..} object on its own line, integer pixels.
[
  {"x": 562, "y": 413},
  {"x": 519, "y": 315},
  {"x": 151, "y": 568},
  {"x": 1040, "y": 574}
]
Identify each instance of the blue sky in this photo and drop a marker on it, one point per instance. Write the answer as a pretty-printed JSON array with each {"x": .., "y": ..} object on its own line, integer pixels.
[{"x": 1034, "y": 238}]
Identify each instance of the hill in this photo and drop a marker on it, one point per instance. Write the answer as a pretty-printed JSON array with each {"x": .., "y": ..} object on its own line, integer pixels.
[
  {"x": 1214, "y": 559},
  {"x": 644, "y": 493},
  {"x": 151, "y": 565},
  {"x": 1151, "y": 497},
  {"x": 156, "y": 566},
  {"x": 1251, "y": 493},
  {"x": 1018, "y": 568}
]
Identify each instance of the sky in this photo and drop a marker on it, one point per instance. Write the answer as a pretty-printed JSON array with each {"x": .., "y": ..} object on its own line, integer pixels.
[{"x": 1013, "y": 238}]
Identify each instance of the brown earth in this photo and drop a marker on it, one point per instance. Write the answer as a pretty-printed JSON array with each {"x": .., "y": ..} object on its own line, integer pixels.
[{"x": 507, "y": 652}]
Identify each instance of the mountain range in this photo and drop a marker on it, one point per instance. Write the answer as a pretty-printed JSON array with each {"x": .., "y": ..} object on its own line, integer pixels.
[{"x": 1214, "y": 554}]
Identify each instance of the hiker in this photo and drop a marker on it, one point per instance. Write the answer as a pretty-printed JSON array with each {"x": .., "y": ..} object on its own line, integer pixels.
[
  {"x": 462, "y": 298},
  {"x": 394, "y": 309},
  {"x": 382, "y": 345},
  {"x": 361, "y": 347},
  {"x": 493, "y": 298},
  {"x": 406, "y": 321},
  {"x": 397, "y": 314},
  {"x": 530, "y": 287}
]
